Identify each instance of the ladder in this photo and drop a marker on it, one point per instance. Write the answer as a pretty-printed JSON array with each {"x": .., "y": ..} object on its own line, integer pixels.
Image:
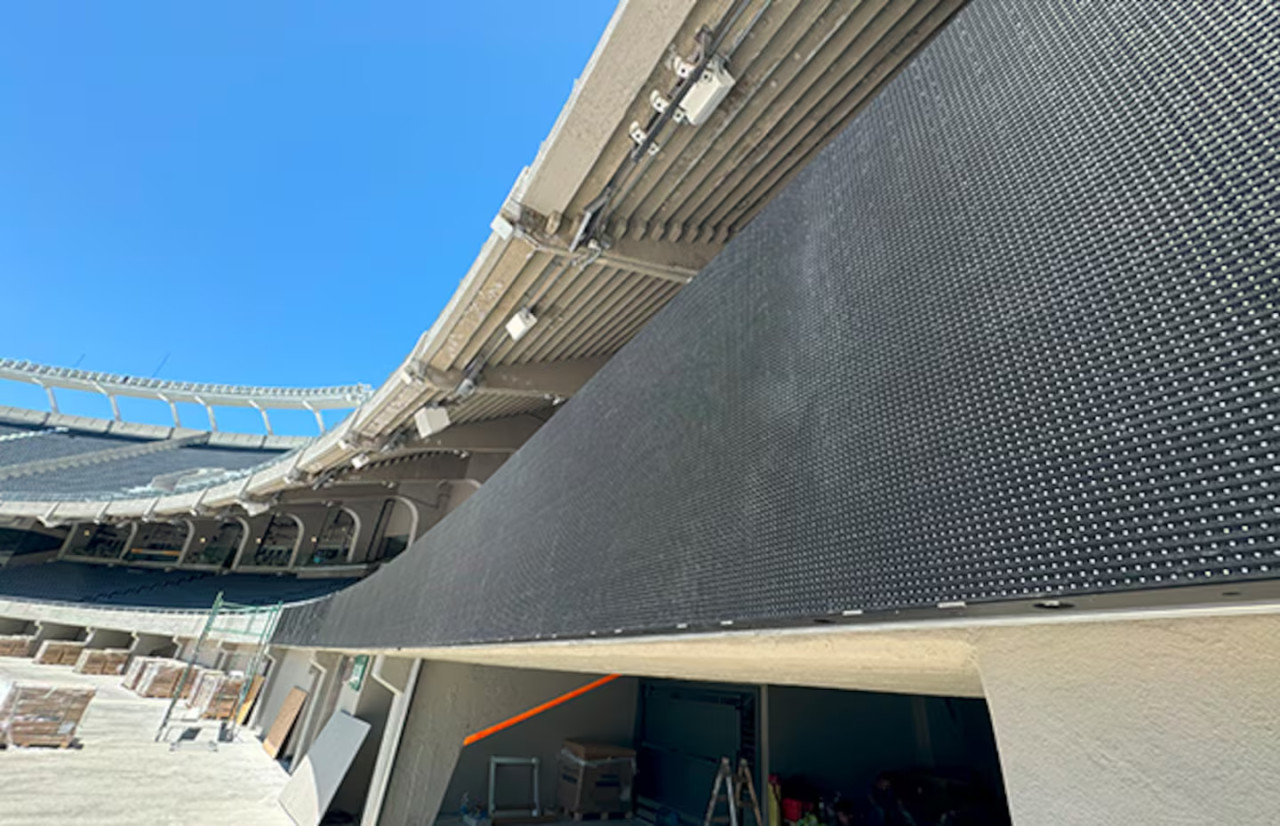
[
  {"x": 735, "y": 785},
  {"x": 254, "y": 623}
]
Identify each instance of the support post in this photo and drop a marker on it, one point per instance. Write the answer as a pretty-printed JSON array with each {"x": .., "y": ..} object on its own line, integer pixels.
[
  {"x": 266, "y": 420},
  {"x": 53, "y": 400},
  {"x": 316, "y": 413}
]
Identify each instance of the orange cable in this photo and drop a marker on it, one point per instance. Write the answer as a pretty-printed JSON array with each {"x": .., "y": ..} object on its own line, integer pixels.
[{"x": 536, "y": 710}]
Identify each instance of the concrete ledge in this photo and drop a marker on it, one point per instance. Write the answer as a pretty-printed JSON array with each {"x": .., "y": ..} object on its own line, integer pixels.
[{"x": 171, "y": 623}]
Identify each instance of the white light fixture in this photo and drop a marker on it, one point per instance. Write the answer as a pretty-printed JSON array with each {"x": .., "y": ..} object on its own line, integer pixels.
[
  {"x": 712, "y": 87},
  {"x": 431, "y": 420},
  {"x": 521, "y": 323},
  {"x": 360, "y": 460}
]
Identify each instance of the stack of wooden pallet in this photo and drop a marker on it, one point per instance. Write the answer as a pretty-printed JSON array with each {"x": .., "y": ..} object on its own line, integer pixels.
[
  {"x": 16, "y": 645},
  {"x": 39, "y": 715},
  {"x": 102, "y": 661},
  {"x": 160, "y": 678},
  {"x": 134, "y": 672},
  {"x": 59, "y": 652},
  {"x": 217, "y": 694},
  {"x": 193, "y": 680}
]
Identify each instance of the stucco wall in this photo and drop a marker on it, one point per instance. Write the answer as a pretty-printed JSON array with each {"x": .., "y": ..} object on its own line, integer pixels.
[
  {"x": 1162, "y": 722},
  {"x": 290, "y": 669},
  {"x": 453, "y": 700}
]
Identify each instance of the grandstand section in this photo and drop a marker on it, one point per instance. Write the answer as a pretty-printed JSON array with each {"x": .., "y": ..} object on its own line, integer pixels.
[
  {"x": 133, "y": 587},
  {"x": 40, "y": 462}
]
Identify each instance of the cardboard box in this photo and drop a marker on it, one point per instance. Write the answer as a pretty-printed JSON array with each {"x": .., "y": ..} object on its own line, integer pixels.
[{"x": 595, "y": 778}]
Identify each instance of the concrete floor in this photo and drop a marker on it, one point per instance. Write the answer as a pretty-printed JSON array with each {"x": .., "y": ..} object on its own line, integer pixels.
[{"x": 121, "y": 776}]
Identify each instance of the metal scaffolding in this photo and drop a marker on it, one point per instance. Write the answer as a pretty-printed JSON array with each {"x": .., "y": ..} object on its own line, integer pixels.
[{"x": 228, "y": 620}]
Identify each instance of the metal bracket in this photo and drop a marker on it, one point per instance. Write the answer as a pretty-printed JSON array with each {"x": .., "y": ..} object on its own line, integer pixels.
[
  {"x": 637, "y": 133},
  {"x": 660, "y": 104}
]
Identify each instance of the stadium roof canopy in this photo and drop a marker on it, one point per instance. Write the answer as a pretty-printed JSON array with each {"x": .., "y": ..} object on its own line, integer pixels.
[{"x": 625, "y": 202}]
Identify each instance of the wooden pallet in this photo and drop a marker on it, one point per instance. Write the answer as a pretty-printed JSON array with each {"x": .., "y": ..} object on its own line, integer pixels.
[{"x": 23, "y": 741}]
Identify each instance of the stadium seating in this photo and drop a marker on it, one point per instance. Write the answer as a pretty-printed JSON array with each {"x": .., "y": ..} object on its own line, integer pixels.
[
  {"x": 148, "y": 588},
  {"x": 131, "y": 472},
  {"x": 19, "y": 445}
]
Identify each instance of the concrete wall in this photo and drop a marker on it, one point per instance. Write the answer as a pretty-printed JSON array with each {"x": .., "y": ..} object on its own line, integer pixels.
[
  {"x": 16, "y": 625},
  {"x": 453, "y": 700},
  {"x": 49, "y": 630},
  {"x": 108, "y": 638},
  {"x": 1142, "y": 722},
  {"x": 159, "y": 645},
  {"x": 290, "y": 668}
]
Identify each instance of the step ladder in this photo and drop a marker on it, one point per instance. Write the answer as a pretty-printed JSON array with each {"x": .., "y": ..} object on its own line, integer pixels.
[{"x": 737, "y": 789}]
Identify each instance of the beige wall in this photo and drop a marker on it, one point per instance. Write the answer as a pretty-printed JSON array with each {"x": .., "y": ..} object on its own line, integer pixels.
[
  {"x": 453, "y": 700},
  {"x": 1168, "y": 722}
]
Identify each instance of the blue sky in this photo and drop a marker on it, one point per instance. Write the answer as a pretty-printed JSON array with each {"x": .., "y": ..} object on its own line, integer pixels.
[{"x": 259, "y": 193}]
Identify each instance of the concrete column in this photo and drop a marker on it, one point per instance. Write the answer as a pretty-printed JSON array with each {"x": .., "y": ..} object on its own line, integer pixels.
[
  {"x": 1147, "y": 721},
  {"x": 398, "y": 676},
  {"x": 312, "y": 518},
  {"x": 366, "y": 512}
]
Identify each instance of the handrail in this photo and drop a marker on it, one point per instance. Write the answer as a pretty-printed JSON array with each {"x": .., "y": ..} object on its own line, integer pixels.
[{"x": 143, "y": 609}]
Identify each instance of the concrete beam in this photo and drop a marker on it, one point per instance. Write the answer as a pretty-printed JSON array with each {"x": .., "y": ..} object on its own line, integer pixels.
[
  {"x": 424, "y": 466},
  {"x": 635, "y": 41},
  {"x": 678, "y": 262},
  {"x": 542, "y": 380},
  {"x": 494, "y": 436}
]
